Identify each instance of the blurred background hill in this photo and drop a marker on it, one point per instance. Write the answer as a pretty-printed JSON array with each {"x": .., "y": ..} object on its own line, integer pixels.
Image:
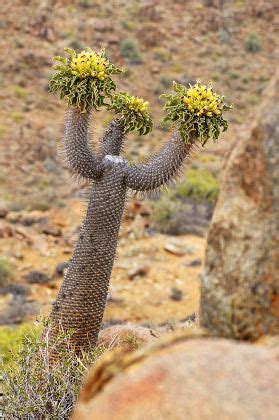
[{"x": 156, "y": 277}]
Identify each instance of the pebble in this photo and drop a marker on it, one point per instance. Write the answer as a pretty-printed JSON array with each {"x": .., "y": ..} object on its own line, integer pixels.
[{"x": 140, "y": 270}]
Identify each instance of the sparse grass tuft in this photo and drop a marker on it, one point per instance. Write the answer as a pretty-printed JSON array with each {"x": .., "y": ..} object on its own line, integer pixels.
[
  {"x": 6, "y": 271},
  {"x": 34, "y": 388}
]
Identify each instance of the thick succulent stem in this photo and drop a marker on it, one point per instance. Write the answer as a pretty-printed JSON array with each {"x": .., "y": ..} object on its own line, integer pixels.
[
  {"x": 79, "y": 158},
  {"x": 162, "y": 168},
  {"x": 81, "y": 300},
  {"x": 112, "y": 141}
]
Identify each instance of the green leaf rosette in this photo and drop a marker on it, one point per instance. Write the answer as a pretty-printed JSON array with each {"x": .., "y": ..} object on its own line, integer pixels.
[
  {"x": 84, "y": 78},
  {"x": 196, "y": 111},
  {"x": 134, "y": 113}
]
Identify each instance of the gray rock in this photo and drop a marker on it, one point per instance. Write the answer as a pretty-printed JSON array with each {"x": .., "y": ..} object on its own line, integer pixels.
[{"x": 240, "y": 283}]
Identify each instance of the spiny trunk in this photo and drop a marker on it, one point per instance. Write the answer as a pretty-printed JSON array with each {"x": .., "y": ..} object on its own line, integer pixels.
[{"x": 81, "y": 301}]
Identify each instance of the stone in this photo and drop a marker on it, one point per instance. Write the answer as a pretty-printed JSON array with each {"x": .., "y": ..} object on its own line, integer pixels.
[
  {"x": 6, "y": 231},
  {"x": 60, "y": 268},
  {"x": 14, "y": 217},
  {"x": 37, "y": 277},
  {"x": 127, "y": 336},
  {"x": 140, "y": 271},
  {"x": 52, "y": 230},
  {"x": 183, "y": 377},
  {"x": 240, "y": 282},
  {"x": 176, "y": 294},
  {"x": 3, "y": 210},
  {"x": 175, "y": 248},
  {"x": 195, "y": 263}
]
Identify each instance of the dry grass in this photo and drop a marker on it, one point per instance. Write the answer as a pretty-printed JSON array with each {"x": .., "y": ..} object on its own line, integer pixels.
[{"x": 36, "y": 389}]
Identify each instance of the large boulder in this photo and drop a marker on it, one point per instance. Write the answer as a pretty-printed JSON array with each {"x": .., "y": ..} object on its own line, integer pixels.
[
  {"x": 184, "y": 378},
  {"x": 240, "y": 283}
]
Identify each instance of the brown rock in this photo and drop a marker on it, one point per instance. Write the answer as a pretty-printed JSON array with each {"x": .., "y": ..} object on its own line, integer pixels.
[
  {"x": 50, "y": 229},
  {"x": 240, "y": 284},
  {"x": 197, "y": 379},
  {"x": 3, "y": 210},
  {"x": 127, "y": 336},
  {"x": 140, "y": 270}
]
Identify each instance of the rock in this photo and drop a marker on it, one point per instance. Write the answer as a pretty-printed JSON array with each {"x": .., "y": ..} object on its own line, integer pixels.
[
  {"x": 127, "y": 336},
  {"x": 50, "y": 229},
  {"x": 6, "y": 231},
  {"x": 140, "y": 270},
  {"x": 60, "y": 268},
  {"x": 183, "y": 378},
  {"x": 176, "y": 294},
  {"x": 195, "y": 263},
  {"x": 240, "y": 283},
  {"x": 30, "y": 218},
  {"x": 3, "y": 210},
  {"x": 177, "y": 248},
  {"x": 15, "y": 290},
  {"x": 37, "y": 277},
  {"x": 14, "y": 217}
]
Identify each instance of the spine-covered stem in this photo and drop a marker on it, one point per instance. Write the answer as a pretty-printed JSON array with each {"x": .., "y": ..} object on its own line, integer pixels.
[
  {"x": 162, "y": 168},
  {"x": 112, "y": 141},
  {"x": 75, "y": 146},
  {"x": 81, "y": 300}
]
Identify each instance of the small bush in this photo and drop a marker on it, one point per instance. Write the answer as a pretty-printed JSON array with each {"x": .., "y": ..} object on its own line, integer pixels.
[
  {"x": 161, "y": 54},
  {"x": 130, "y": 51},
  {"x": 200, "y": 185},
  {"x": 33, "y": 388},
  {"x": 252, "y": 43},
  {"x": 17, "y": 116},
  {"x": 20, "y": 92},
  {"x": 6, "y": 271},
  {"x": 188, "y": 208}
]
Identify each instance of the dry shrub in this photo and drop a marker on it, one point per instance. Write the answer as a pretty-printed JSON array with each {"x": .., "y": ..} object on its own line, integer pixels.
[{"x": 34, "y": 388}]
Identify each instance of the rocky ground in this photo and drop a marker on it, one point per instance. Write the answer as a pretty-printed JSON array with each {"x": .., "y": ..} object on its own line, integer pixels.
[{"x": 156, "y": 276}]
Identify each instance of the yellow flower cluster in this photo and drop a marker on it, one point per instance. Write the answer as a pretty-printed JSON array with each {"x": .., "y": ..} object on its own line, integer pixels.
[
  {"x": 137, "y": 104},
  {"x": 89, "y": 63},
  {"x": 200, "y": 100}
]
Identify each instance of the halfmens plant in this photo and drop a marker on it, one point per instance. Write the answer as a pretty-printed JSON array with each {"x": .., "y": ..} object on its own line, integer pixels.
[{"x": 85, "y": 80}]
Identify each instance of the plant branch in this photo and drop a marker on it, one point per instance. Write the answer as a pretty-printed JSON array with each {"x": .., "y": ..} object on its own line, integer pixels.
[
  {"x": 160, "y": 169},
  {"x": 75, "y": 149}
]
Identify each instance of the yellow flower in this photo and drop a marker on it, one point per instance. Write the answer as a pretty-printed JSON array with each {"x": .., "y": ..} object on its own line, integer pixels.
[
  {"x": 137, "y": 104},
  {"x": 89, "y": 63},
  {"x": 201, "y": 100}
]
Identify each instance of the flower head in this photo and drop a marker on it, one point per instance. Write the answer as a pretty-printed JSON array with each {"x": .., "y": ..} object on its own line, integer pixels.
[
  {"x": 201, "y": 100},
  {"x": 134, "y": 112},
  {"x": 89, "y": 63},
  {"x": 197, "y": 111},
  {"x": 84, "y": 78}
]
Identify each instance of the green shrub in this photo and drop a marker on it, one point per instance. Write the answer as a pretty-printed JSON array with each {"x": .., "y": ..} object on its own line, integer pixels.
[
  {"x": 6, "y": 270},
  {"x": 11, "y": 338},
  {"x": 187, "y": 208},
  {"x": 199, "y": 185},
  {"x": 17, "y": 116},
  {"x": 252, "y": 43},
  {"x": 20, "y": 92},
  {"x": 130, "y": 51},
  {"x": 161, "y": 54}
]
